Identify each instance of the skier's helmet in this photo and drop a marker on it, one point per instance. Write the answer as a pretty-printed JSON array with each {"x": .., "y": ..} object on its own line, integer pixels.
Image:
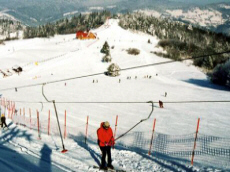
[{"x": 106, "y": 124}]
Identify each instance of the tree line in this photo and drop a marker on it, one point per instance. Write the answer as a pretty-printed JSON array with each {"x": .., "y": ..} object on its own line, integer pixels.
[
  {"x": 68, "y": 25},
  {"x": 7, "y": 27}
]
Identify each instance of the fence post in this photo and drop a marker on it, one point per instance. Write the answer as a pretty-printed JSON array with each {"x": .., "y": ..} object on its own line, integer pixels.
[
  {"x": 86, "y": 129},
  {"x": 8, "y": 110},
  {"x": 115, "y": 127},
  {"x": 12, "y": 111},
  {"x": 194, "y": 147},
  {"x": 14, "y": 108},
  {"x": 151, "y": 142},
  {"x": 19, "y": 118},
  {"x": 38, "y": 124},
  {"x": 30, "y": 117},
  {"x": 65, "y": 126},
  {"x": 49, "y": 123},
  {"x": 24, "y": 117}
]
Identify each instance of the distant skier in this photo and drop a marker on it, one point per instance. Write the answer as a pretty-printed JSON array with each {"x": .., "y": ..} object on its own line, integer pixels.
[
  {"x": 161, "y": 104},
  {"x": 105, "y": 141},
  {"x": 3, "y": 121},
  {"x": 165, "y": 94}
]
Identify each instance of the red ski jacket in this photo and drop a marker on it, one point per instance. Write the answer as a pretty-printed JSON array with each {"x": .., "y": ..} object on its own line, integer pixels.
[{"x": 105, "y": 136}]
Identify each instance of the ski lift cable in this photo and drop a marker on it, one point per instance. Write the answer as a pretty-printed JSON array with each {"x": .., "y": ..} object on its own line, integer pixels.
[
  {"x": 122, "y": 135},
  {"x": 129, "y": 102},
  {"x": 129, "y": 68}
]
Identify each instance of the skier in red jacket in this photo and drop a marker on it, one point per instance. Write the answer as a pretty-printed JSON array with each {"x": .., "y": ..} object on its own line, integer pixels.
[{"x": 105, "y": 141}]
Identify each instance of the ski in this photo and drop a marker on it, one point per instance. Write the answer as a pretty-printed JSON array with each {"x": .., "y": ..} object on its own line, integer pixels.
[{"x": 109, "y": 169}]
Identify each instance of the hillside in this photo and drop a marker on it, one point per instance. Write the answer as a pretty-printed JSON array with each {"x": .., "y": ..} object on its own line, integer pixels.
[
  {"x": 181, "y": 41},
  {"x": 37, "y": 12},
  {"x": 212, "y": 15},
  {"x": 52, "y": 60}
]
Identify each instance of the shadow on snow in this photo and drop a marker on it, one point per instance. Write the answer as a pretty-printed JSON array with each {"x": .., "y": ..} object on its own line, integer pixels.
[
  {"x": 19, "y": 159},
  {"x": 207, "y": 84}
]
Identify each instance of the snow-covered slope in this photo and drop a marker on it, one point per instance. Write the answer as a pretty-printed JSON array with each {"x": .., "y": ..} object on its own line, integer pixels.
[{"x": 61, "y": 57}]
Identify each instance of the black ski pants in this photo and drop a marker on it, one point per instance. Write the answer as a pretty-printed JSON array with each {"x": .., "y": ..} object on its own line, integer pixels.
[
  {"x": 3, "y": 120},
  {"x": 106, "y": 150}
]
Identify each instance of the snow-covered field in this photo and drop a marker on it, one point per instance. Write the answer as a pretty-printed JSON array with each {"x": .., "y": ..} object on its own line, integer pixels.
[{"x": 97, "y": 96}]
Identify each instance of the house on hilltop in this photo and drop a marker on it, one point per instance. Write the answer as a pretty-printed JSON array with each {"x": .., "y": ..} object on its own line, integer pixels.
[{"x": 85, "y": 35}]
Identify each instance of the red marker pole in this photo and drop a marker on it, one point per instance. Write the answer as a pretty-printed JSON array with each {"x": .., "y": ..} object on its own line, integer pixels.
[
  {"x": 151, "y": 142},
  {"x": 24, "y": 117},
  {"x": 8, "y": 109},
  {"x": 65, "y": 126},
  {"x": 86, "y": 129},
  {"x": 38, "y": 125},
  {"x": 12, "y": 111},
  {"x": 49, "y": 123},
  {"x": 30, "y": 117},
  {"x": 115, "y": 127},
  {"x": 19, "y": 119},
  {"x": 194, "y": 147}
]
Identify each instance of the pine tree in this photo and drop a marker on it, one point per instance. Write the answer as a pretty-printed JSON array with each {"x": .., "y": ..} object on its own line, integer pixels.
[
  {"x": 221, "y": 74},
  {"x": 107, "y": 58},
  {"x": 113, "y": 70},
  {"x": 105, "y": 49}
]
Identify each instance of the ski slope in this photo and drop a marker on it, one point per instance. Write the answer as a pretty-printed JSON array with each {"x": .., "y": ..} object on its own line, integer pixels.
[{"x": 62, "y": 57}]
